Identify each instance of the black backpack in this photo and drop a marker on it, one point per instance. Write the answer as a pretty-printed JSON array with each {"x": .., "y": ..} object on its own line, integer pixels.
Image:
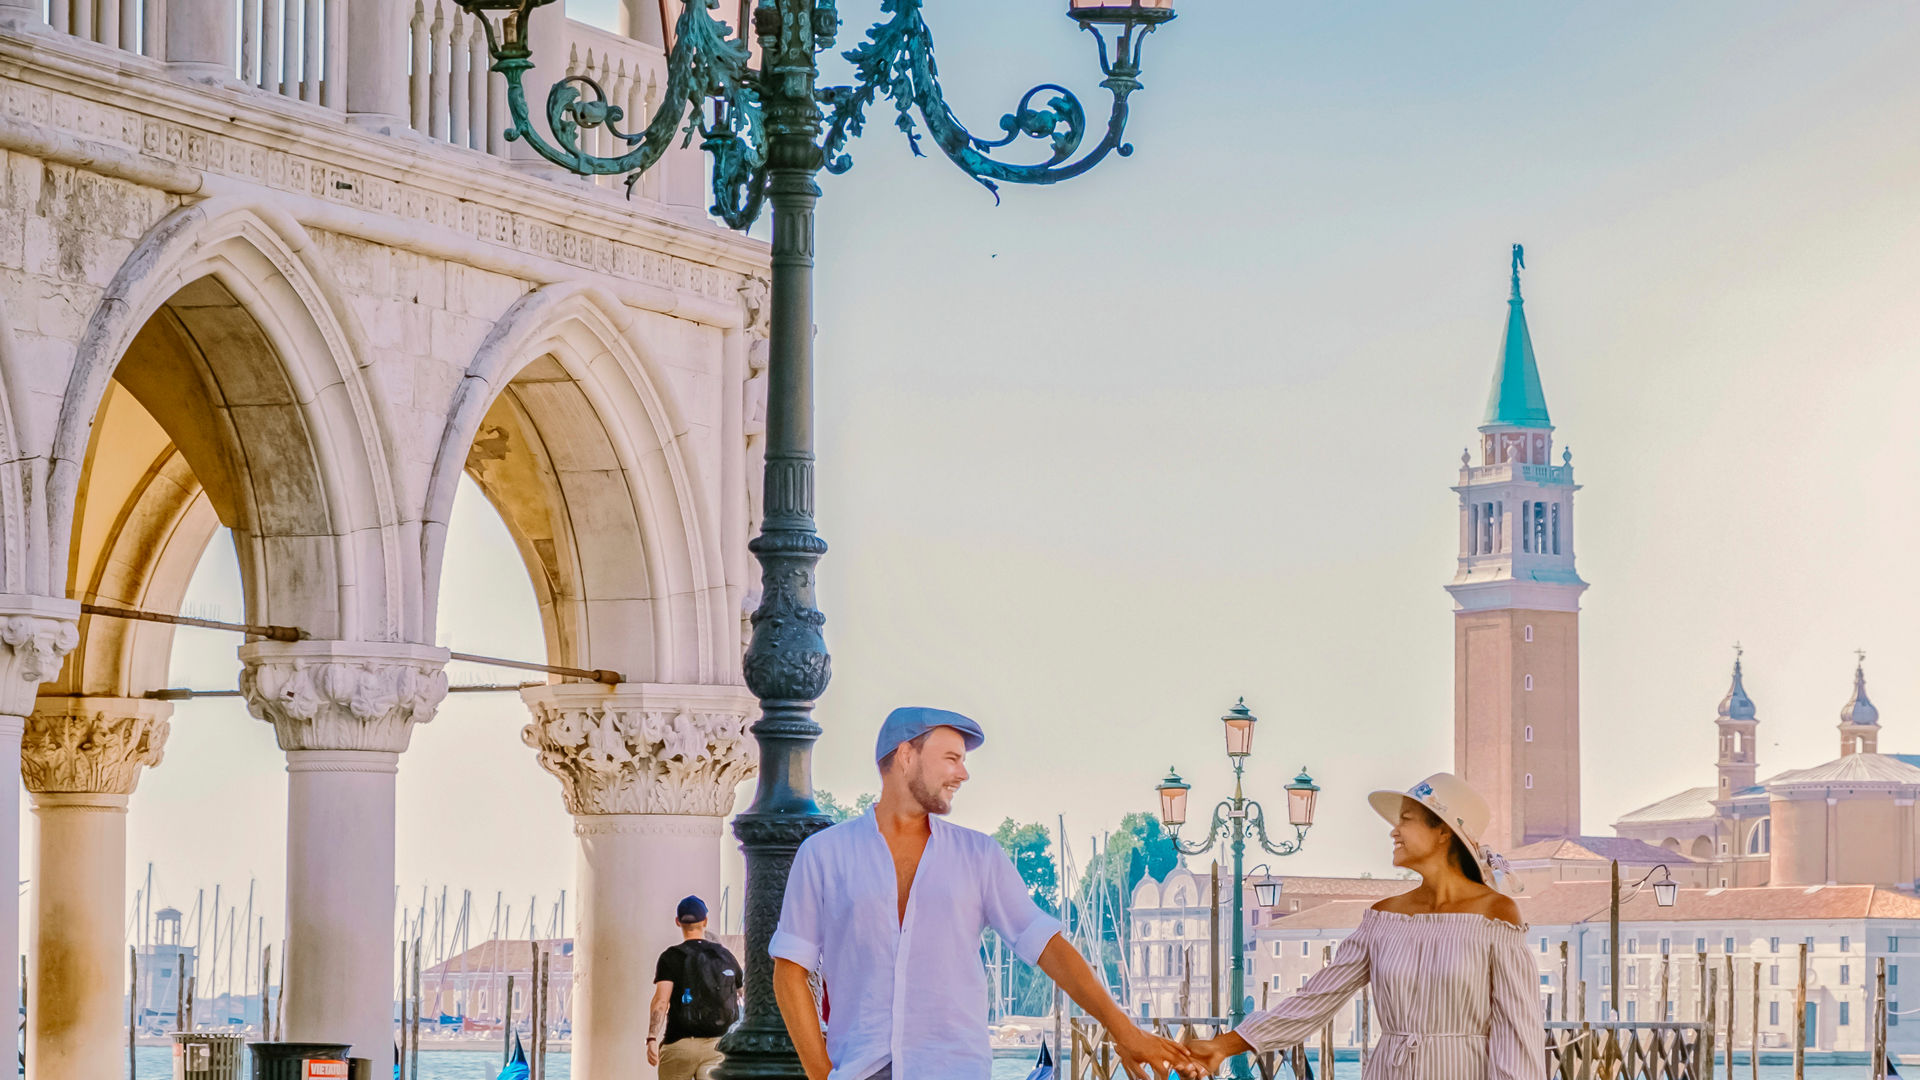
[{"x": 706, "y": 1001}]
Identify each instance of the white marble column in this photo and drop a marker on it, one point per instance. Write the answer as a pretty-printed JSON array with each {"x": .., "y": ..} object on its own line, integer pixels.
[
  {"x": 649, "y": 773},
  {"x": 343, "y": 712},
  {"x": 36, "y": 633},
  {"x": 81, "y": 758}
]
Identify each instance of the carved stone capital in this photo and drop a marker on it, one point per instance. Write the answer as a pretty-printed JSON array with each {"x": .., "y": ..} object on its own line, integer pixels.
[
  {"x": 342, "y": 695},
  {"x": 641, "y": 748},
  {"x": 94, "y": 746},
  {"x": 36, "y": 633}
]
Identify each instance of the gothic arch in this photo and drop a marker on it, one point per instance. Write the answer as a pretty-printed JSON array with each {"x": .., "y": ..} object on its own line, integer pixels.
[
  {"x": 566, "y": 427},
  {"x": 225, "y": 334},
  {"x": 14, "y": 520}
]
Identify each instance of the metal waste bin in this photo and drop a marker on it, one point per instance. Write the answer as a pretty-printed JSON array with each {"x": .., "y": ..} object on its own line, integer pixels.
[
  {"x": 289, "y": 1060},
  {"x": 359, "y": 1069},
  {"x": 199, "y": 1055}
]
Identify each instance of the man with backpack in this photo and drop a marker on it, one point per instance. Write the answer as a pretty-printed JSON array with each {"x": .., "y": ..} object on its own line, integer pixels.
[{"x": 696, "y": 998}]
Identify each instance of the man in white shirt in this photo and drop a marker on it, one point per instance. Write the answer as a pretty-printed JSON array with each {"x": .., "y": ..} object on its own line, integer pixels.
[{"x": 888, "y": 907}]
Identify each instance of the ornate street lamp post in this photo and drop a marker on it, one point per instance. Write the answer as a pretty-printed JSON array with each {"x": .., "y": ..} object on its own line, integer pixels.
[
  {"x": 771, "y": 129},
  {"x": 1232, "y": 820}
]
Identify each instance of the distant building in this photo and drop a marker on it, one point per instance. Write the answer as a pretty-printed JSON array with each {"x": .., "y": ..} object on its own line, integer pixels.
[
  {"x": 165, "y": 969},
  {"x": 1848, "y": 929},
  {"x": 469, "y": 990},
  {"x": 1170, "y": 971},
  {"x": 1851, "y": 820}
]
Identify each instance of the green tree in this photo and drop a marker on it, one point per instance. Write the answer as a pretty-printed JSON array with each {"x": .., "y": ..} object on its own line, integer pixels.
[
  {"x": 839, "y": 811},
  {"x": 1029, "y": 846}
]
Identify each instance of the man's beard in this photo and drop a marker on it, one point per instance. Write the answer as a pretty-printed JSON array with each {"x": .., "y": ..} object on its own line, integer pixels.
[{"x": 931, "y": 799}]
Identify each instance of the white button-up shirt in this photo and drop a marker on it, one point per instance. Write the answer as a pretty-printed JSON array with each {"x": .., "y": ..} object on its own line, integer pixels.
[{"x": 912, "y": 993}]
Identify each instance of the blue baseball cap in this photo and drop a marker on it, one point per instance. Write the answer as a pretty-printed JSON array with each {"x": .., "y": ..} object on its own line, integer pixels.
[
  {"x": 911, "y": 722},
  {"x": 692, "y": 910}
]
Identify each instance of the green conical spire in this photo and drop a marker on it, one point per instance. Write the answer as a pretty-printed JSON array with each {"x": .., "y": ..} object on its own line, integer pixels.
[{"x": 1517, "y": 400}]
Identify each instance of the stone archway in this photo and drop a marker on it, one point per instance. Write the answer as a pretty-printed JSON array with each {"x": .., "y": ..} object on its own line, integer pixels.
[
  {"x": 578, "y": 444},
  {"x": 219, "y": 382}
]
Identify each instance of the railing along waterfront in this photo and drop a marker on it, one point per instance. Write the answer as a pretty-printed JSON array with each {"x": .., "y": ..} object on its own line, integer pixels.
[{"x": 1574, "y": 1051}]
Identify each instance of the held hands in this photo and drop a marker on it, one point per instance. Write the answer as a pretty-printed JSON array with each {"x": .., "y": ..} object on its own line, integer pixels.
[
  {"x": 1210, "y": 1054},
  {"x": 1146, "y": 1056}
]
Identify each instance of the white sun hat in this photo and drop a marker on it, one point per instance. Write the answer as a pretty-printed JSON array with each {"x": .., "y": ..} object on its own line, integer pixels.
[{"x": 1463, "y": 811}]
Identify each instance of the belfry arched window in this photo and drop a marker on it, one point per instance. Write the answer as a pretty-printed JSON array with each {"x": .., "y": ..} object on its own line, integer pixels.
[{"x": 1760, "y": 837}]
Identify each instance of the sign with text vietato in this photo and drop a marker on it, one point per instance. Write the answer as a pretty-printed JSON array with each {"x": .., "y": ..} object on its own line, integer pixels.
[{"x": 325, "y": 1070}]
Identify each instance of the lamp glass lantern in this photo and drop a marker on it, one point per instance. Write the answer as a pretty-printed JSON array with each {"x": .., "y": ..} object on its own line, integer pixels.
[
  {"x": 1267, "y": 892},
  {"x": 1301, "y": 795},
  {"x": 1127, "y": 13},
  {"x": 1239, "y": 724},
  {"x": 1666, "y": 890},
  {"x": 1173, "y": 800}
]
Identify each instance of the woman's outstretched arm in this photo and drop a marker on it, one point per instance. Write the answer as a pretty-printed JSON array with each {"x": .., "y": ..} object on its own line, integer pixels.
[{"x": 1301, "y": 1014}]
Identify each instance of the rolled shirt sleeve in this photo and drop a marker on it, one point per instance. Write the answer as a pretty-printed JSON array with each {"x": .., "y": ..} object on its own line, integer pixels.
[
  {"x": 797, "y": 938},
  {"x": 1010, "y": 909}
]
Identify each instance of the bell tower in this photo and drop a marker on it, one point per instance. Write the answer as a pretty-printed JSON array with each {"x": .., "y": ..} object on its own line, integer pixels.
[
  {"x": 1859, "y": 719},
  {"x": 1739, "y": 723},
  {"x": 1516, "y": 598}
]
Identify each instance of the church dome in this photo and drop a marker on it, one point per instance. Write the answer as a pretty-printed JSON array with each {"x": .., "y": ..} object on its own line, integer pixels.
[
  {"x": 1859, "y": 712},
  {"x": 1737, "y": 705}
]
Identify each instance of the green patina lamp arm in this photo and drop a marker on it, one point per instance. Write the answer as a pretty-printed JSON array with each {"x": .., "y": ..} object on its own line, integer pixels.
[
  {"x": 897, "y": 61},
  {"x": 1257, "y": 818},
  {"x": 1220, "y": 817}
]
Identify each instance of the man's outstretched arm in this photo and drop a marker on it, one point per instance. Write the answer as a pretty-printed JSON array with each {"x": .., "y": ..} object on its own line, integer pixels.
[
  {"x": 802, "y": 1018},
  {"x": 1138, "y": 1048}
]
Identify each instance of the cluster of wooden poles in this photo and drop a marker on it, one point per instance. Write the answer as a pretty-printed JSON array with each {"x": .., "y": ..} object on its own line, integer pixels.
[
  {"x": 539, "y": 1023},
  {"x": 186, "y": 994}
]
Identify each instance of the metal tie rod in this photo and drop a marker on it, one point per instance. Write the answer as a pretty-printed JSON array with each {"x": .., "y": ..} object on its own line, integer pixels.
[{"x": 294, "y": 633}]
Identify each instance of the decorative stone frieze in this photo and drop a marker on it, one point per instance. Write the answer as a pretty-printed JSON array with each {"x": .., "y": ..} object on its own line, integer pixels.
[
  {"x": 342, "y": 695},
  {"x": 37, "y": 633},
  {"x": 642, "y": 748},
  {"x": 93, "y": 746}
]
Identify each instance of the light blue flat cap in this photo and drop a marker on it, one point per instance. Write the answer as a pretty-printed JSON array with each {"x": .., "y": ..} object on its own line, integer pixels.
[{"x": 911, "y": 722}]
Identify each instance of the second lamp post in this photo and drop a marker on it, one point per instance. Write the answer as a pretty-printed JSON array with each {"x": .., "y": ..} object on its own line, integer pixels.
[{"x": 1233, "y": 820}]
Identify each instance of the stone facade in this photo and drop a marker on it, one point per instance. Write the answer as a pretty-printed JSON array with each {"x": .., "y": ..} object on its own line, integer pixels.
[{"x": 301, "y": 293}]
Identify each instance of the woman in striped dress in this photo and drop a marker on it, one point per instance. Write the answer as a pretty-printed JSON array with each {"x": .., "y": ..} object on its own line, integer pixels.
[{"x": 1454, "y": 987}]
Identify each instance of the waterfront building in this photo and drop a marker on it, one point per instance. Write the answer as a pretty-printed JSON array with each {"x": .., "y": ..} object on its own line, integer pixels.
[
  {"x": 1756, "y": 933},
  {"x": 1851, "y": 820},
  {"x": 305, "y": 293}
]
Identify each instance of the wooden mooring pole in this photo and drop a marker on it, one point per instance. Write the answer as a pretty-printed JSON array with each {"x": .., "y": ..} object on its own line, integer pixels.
[
  {"x": 133, "y": 1002},
  {"x": 1753, "y": 1037},
  {"x": 1566, "y": 988},
  {"x": 1880, "y": 1018},
  {"x": 1731, "y": 1024},
  {"x": 1800, "y": 1019}
]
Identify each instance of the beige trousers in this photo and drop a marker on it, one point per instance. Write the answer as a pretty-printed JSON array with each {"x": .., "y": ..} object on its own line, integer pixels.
[{"x": 689, "y": 1059}]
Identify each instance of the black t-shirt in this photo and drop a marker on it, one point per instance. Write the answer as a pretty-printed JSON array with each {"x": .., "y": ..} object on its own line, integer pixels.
[{"x": 714, "y": 997}]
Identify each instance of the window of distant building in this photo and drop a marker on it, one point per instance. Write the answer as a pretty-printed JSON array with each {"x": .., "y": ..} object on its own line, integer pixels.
[
  {"x": 1723, "y": 883},
  {"x": 1606, "y": 947},
  {"x": 1729, "y": 948},
  {"x": 1633, "y": 945},
  {"x": 1846, "y": 943},
  {"x": 1546, "y": 980},
  {"x": 1633, "y": 976},
  {"x": 1529, "y": 632},
  {"x": 1773, "y": 1013},
  {"x": 1699, "y": 944},
  {"x": 1773, "y": 944},
  {"x": 1543, "y": 944},
  {"x": 1893, "y": 944},
  {"x": 1773, "y": 975},
  {"x": 1893, "y": 1014},
  {"x": 1893, "y": 974},
  {"x": 1666, "y": 945},
  {"x": 1529, "y": 682},
  {"x": 1846, "y": 974},
  {"x": 1606, "y": 976},
  {"x": 1256, "y": 916},
  {"x": 1529, "y": 732},
  {"x": 1809, "y": 944},
  {"x": 1845, "y": 1018},
  {"x": 1303, "y": 980},
  {"x": 1631, "y": 1011},
  {"x": 1276, "y": 982},
  {"x": 1529, "y": 781},
  {"x": 1276, "y": 950}
]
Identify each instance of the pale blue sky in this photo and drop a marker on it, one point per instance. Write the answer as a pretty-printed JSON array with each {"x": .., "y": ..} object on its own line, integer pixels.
[{"x": 1099, "y": 460}]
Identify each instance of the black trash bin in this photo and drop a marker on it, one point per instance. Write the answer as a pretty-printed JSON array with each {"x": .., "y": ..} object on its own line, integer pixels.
[{"x": 288, "y": 1060}]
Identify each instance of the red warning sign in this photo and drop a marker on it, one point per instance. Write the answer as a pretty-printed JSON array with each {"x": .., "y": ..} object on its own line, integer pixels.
[{"x": 325, "y": 1070}]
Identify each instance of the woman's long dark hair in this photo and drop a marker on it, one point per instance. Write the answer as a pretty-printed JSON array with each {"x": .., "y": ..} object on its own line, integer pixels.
[{"x": 1457, "y": 852}]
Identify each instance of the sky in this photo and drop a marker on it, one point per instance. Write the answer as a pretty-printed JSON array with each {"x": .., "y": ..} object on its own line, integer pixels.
[{"x": 1100, "y": 460}]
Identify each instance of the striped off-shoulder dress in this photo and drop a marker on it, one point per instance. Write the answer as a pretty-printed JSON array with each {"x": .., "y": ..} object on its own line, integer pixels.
[{"x": 1457, "y": 998}]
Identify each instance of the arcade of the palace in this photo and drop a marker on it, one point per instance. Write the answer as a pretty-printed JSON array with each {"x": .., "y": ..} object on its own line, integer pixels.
[{"x": 270, "y": 265}]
